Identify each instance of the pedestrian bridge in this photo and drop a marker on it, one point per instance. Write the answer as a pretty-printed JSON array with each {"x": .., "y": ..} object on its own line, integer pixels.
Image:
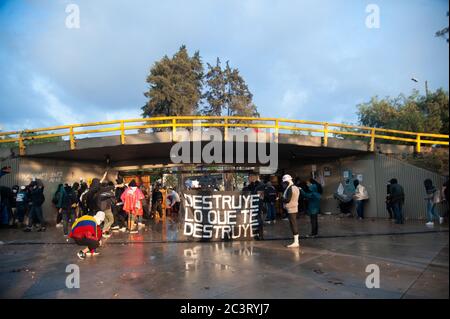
[{"x": 150, "y": 139}]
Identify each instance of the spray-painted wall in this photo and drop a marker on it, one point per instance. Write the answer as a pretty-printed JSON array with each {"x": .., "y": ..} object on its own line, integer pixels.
[{"x": 52, "y": 173}]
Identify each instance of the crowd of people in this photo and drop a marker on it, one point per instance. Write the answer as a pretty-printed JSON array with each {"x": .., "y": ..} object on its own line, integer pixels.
[{"x": 90, "y": 212}]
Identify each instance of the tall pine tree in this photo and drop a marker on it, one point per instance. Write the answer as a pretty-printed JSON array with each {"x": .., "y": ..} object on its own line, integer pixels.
[
  {"x": 175, "y": 85},
  {"x": 227, "y": 93}
]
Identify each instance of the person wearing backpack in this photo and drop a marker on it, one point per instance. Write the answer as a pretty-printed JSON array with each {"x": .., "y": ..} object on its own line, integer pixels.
[
  {"x": 105, "y": 198},
  {"x": 360, "y": 196},
  {"x": 270, "y": 197},
  {"x": 313, "y": 209},
  {"x": 56, "y": 200},
  {"x": 67, "y": 199}
]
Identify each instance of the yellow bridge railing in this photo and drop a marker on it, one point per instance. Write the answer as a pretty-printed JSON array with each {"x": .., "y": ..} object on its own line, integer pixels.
[{"x": 325, "y": 129}]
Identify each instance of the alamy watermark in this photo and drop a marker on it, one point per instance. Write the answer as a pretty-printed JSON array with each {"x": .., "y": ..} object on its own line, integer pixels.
[
  {"x": 252, "y": 147},
  {"x": 73, "y": 17},
  {"x": 373, "y": 279},
  {"x": 373, "y": 17},
  {"x": 73, "y": 279}
]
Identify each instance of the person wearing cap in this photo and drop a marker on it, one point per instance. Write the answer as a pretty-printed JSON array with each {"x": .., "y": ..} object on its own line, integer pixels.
[
  {"x": 86, "y": 232},
  {"x": 290, "y": 203}
]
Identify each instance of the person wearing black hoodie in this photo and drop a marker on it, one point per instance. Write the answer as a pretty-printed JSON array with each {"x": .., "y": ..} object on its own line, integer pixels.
[
  {"x": 68, "y": 198},
  {"x": 37, "y": 199}
]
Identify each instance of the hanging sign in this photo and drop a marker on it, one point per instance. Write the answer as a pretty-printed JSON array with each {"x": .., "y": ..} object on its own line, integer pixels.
[{"x": 219, "y": 216}]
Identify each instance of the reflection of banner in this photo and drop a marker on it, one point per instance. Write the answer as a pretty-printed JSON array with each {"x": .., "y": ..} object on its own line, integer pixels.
[{"x": 216, "y": 216}]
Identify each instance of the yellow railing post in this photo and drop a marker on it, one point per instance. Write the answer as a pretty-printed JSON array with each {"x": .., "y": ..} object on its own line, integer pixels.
[
  {"x": 21, "y": 145},
  {"x": 418, "y": 143},
  {"x": 225, "y": 133},
  {"x": 325, "y": 134},
  {"x": 122, "y": 132},
  {"x": 72, "y": 139},
  {"x": 372, "y": 140},
  {"x": 277, "y": 125},
  {"x": 174, "y": 129}
]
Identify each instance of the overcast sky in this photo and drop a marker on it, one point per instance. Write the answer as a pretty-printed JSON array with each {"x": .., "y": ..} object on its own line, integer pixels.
[{"x": 313, "y": 60}]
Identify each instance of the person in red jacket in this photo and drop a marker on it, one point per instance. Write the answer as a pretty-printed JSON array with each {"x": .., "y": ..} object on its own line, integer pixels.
[{"x": 86, "y": 232}]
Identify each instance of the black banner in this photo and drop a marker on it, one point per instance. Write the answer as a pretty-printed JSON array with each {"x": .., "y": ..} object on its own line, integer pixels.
[{"x": 219, "y": 216}]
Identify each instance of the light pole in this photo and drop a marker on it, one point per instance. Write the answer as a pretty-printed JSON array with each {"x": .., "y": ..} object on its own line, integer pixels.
[{"x": 426, "y": 86}]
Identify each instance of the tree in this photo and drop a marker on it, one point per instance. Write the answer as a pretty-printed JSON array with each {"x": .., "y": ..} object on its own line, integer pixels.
[
  {"x": 175, "y": 85},
  {"x": 417, "y": 113},
  {"x": 227, "y": 93}
]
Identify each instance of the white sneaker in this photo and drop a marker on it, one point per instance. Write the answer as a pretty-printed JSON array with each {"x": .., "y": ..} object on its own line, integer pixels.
[
  {"x": 123, "y": 229},
  {"x": 293, "y": 245},
  {"x": 89, "y": 254},
  {"x": 59, "y": 225},
  {"x": 141, "y": 225},
  {"x": 441, "y": 220},
  {"x": 430, "y": 224},
  {"x": 106, "y": 236},
  {"x": 115, "y": 227},
  {"x": 133, "y": 232}
]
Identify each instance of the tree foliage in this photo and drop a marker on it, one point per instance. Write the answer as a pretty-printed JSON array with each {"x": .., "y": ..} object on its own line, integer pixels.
[
  {"x": 417, "y": 113},
  {"x": 227, "y": 93},
  {"x": 178, "y": 86},
  {"x": 175, "y": 85}
]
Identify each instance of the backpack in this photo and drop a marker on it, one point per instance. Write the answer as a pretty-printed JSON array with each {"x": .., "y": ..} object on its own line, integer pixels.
[{"x": 56, "y": 197}]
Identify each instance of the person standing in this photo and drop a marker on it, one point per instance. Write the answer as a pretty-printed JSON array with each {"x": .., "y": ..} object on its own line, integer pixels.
[
  {"x": 313, "y": 208},
  {"x": 132, "y": 205},
  {"x": 432, "y": 198},
  {"x": 37, "y": 199},
  {"x": 67, "y": 199},
  {"x": 21, "y": 205},
  {"x": 397, "y": 200},
  {"x": 56, "y": 200},
  {"x": 157, "y": 198},
  {"x": 270, "y": 197},
  {"x": 290, "y": 203},
  {"x": 360, "y": 196}
]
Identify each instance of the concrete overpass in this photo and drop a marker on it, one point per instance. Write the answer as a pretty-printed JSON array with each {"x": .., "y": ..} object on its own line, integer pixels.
[{"x": 300, "y": 144}]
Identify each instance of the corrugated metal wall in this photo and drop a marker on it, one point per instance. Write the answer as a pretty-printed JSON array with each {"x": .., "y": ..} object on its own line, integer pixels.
[
  {"x": 12, "y": 178},
  {"x": 411, "y": 178}
]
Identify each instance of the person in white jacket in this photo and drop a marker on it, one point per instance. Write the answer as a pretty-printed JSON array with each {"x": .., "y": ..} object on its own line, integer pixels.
[{"x": 360, "y": 196}]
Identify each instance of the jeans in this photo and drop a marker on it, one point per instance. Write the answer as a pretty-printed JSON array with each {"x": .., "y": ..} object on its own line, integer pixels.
[
  {"x": 314, "y": 224},
  {"x": 293, "y": 223},
  {"x": 20, "y": 213},
  {"x": 360, "y": 208},
  {"x": 36, "y": 214},
  {"x": 431, "y": 211},
  {"x": 67, "y": 213},
  {"x": 270, "y": 211},
  {"x": 398, "y": 214}
]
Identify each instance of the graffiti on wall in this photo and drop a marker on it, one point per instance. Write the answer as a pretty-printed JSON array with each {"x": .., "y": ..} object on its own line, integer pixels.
[{"x": 49, "y": 177}]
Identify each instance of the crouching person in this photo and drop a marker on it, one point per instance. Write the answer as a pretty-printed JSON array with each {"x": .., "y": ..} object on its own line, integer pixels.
[{"x": 86, "y": 232}]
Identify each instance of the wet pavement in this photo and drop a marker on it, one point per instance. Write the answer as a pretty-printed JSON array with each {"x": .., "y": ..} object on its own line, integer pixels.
[{"x": 412, "y": 258}]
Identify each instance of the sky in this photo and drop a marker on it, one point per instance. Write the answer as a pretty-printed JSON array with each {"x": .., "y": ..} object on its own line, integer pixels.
[{"x": 311, "y": 60}]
